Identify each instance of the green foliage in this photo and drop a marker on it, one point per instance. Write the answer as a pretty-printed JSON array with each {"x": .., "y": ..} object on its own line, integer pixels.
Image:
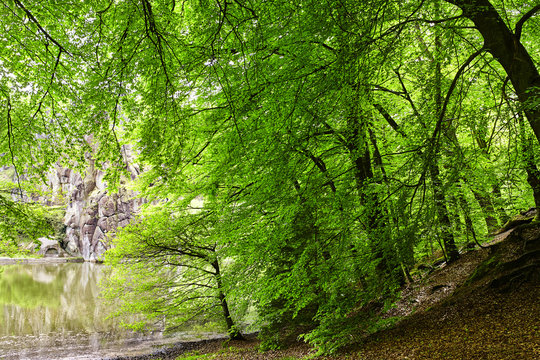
[
  {"x": 21, "y": 223},
  {"x": 167, "y": 267},
  {"x": 330, "y": 145},
  {"x": 195, "y": 356}
]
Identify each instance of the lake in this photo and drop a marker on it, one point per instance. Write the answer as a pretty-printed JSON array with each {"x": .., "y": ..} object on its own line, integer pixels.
[{"x": 53, "y": 311}]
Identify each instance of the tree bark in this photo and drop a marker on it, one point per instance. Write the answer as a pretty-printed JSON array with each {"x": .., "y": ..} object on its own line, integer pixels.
[
  {"x": 533, "y": 174},
  {"x": 487, "y": 208},
  {"x": 450, "y": 247},
  {"x": 490, "y": 205},
  {"x": 388, "y": 266},
  {"x": 507, "y": 48},
  {"x": 468, "y": 221},
  {"x": 234, "y": 333},
  {"x": 441, "y": 207}
]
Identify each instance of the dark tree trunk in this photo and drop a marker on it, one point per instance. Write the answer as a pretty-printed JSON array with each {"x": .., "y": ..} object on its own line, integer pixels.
[
  {"x": 507, "y": 48},
  {"x": 441, "y": 207},
  {"x": 533, "y": 178},
  {"x": 449, "y": 244},
  {"x": 361, "y": 159},
  {"x": 234, "y": 333},
  {"x": 533, "y": 174},
  {"x": 388, "y": 266}
]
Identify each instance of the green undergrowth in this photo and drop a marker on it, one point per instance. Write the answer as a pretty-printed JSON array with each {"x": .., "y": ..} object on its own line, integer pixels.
[
  {"x": 476, "y": 321},
  {"x": 228, "y": 352},
  {"x": 232, "y": 352},
  {"x": 196, "y": 356}
]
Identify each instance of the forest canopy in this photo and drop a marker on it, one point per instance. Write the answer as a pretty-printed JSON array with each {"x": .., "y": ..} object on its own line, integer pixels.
[{"x": 329, "y": 145}]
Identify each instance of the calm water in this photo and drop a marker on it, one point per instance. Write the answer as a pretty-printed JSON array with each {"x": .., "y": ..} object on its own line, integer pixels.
[{"x": 54, "y": 312}]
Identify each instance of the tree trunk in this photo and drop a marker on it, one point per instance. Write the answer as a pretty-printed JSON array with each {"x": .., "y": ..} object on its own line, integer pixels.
[
  {"x": 490, "y": 205},
  {"x": 467, "y": 215},
  {"x": 499, "y": 208},
  {"x": 488, "y": 210},
  {"x": 507, "y": 48},
  {"x": 232, "y": 330},
  {"x": 533, "y": 174},
  {"x": 388, "y": 266},
  {"x": 449, "y": 244},
  {"x": 441, "y": 207}
]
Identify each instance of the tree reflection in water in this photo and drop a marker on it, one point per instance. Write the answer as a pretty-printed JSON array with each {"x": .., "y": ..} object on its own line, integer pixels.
[{"x": 55, "y": 309}]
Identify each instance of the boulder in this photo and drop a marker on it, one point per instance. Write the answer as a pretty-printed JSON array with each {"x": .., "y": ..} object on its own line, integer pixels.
[
  {"x": 72, "y": 248},
  {"x": 91, "y": 211}
]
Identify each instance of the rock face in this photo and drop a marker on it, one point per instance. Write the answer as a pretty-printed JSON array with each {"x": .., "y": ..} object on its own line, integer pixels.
[{"x": 91, "y": 211}]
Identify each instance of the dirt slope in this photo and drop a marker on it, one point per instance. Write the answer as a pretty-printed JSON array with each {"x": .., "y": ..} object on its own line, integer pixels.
[
  {"x": 491, "y": 310},
  {"x": 486, "y": 305}
]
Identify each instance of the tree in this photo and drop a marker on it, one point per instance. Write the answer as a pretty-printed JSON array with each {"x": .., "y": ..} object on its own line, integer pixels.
[
  {"x": 21, "y": 223},
  {"x": 331, "y": 142},
  {"x": 506, "y": 46},
  {"x": 168, "y": 268}
]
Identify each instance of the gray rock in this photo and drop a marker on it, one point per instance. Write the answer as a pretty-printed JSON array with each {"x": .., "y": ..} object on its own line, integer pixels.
[
  {"x": 50, "y": 248},
  {"x": 72, "y": 248},
  {"x": 91, "y": 211},
  {"x": 107, "y": 206},
  {"x": 98, "y": 235}
]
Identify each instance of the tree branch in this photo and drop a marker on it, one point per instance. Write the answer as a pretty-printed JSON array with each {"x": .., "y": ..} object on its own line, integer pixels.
[
  {"x": 388, "y": 119},
  {"x": 452, "y": 87},
  {"x": 43, "y": 31},
  {"x": 10, "y": 136},
  {"x": 527, "y": 16}
]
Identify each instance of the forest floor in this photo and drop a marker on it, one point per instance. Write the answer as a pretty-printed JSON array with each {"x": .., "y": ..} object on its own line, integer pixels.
[{"x": 486, "y": 305}]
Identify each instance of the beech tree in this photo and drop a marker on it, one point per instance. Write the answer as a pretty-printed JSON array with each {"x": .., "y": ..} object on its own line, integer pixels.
[
  {"x": 333, "y": 143},
  {"x": 186, "y": 282}
]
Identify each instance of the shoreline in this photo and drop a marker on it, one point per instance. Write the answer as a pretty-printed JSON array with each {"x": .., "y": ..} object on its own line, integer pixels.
[
  {"x": 225, "y": 349},
  {"x": 172, "y": 351},
  {"x": 40, "y": 261}
]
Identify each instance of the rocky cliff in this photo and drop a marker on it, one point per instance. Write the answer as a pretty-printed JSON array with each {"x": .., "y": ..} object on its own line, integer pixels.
[{"x": 91, "y": 210}]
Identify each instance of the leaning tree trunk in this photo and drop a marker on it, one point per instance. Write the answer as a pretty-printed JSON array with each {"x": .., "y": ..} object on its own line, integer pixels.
[
  {"x": 506, "y": 47},
  {"x": 234, "y": 333}
]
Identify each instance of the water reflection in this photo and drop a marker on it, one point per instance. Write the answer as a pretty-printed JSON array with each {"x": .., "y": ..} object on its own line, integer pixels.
[
  {"x": 54, "y": 312},
  {"x": 40, "y": 299}
]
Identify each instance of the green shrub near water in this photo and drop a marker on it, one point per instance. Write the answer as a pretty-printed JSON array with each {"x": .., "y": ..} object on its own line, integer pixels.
[{"x": 22, "y": 224}]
